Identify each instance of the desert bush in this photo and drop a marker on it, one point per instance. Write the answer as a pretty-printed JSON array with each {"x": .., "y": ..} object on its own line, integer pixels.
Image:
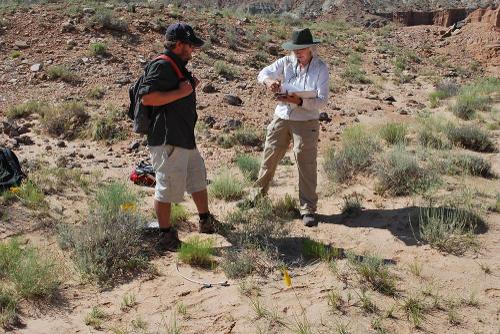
[
  {"x": 106, "y": 127},
  {"x": 65, "y": 119},
  {"x": 197, "y": 252},
  {"x": 314, "y": 250},
  {"x": 108, "y": 245},
  {"x": 449, "y": 229},
  {"x": 8, "y": 306},
  {"x": 374, "y": 271},
  {"x": 356, "y": 153},
  {"x": 444, "y": 89},
  {"x": 55, "y": 180},
  {"x": 95, "y": 318},
  {"x": 15, "y": 54},
  {"x": 475, "y": 97},
  {"x": 248, "y": 165},
  {"x": 225, "y": 70},
  {"x": 394, "y": 133},
  {"x": 28, "y": 193},
  {"x": 226, "y": 186},
  {"x": 33, "y": 275},
  {"x": 352, "y": 205},
  {"x": 459, "y": 164},
  {"x": 98, "y": 49},
  {"x": 106, "y": 19},
  {"x": 286, "y": 207},
  {"x": 178, "y": 213},
  {"x": 399, "y": 174},
  {"x": 414, "y": 309},
  {"x": 232, "y": 39},
  {"x": 61, "y": 72},
  {"x": 355, "y": 74},
  {"x": 248, "y": 137},
  {"x": 96, "y": 93},
  {"x": 431, "y": 133},
  {"x": 25, "y": 109},
  {"x": 470, "y": 137},
  {"x": 238, "y": 263},
  {"x": 226, "y": 141}
]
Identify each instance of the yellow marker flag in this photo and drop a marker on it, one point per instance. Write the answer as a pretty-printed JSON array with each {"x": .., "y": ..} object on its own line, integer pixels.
[
  {"x": 286, "y": 278},
  {"x": 15, "y": 190},
  {"x": 127, "y": 207}
]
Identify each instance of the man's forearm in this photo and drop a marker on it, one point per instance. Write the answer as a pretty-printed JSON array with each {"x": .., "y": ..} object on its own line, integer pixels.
[{"x": 156, "y": 99}]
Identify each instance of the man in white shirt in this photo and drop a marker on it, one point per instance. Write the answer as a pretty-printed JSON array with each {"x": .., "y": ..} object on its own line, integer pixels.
[{"x": 300, "y": 82}]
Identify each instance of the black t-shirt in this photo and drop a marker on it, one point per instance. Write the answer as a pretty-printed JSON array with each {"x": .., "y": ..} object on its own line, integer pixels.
[{"x": 173, "y": 123}]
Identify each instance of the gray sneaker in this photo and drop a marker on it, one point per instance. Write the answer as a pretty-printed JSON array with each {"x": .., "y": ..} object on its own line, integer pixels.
[{"x": 309, "y": 220}]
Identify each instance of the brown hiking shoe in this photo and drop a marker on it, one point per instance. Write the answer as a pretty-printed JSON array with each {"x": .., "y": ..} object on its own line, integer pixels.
[
  {"x": 207, "y": 225},
  {"x": 169, "y": 241}
]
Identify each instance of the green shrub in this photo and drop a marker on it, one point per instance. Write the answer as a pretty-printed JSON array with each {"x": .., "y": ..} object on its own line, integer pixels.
[
  {"x": 227, "y": 71},
  {"x": 355, "y": 154},
  {"x": 61, "y": 72},
  {"x": 238, "y": 264},
  {"x": 197, "y": 252},
  {"x": 109, "y": 244},
  {"x": 95, "y": 318},
  {"x": 106, "y": 19},
  {"x": 468, "y": 164},
  {"x": 28, "y": 193},
  {"x": 66, "y": 119},
  {"x": 315, "y": 250},
  {"x": 15, "y": 54},
  {"x": 96, "y": 93},
  {"x": 374, "y": 271},
  {"x": 352, "y": 206},
  {"x": 444, "y": 89},
  {"x": 355, "y": 74},
  {"x": 232, "y": 39},
  {"x": 98, "y": 49},
  {"x": 249, "y": 166},
  {"x": 448, "y": 229},
  {"x": 399, "y": 174},
  {"x": 106, "y": 127},
  {"x": 414, "y": 309},
  {"x": 286, "y": 208},
  {"x": 227, "y": 187},
  {"x": 178, "y": 213},
  {"x": 431, "y": 133},
  {"x": 33, "y": 275},
  {"x": 226, "y": 141},
  {"x": 394, "y": 133},
  {"x": 25, "y": 109},
  {"x": 8, "y": 306},
  {"x": 470, "y": 137},
  {"x": 248, "y": 137},
  {"x": 466, "y": 106}
]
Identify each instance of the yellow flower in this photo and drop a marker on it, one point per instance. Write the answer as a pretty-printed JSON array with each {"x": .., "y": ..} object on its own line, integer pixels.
[
  {"x": 127, "y": 207},
  {"x": 15, "y": 190},
  {"x": 286, "y": 278}
]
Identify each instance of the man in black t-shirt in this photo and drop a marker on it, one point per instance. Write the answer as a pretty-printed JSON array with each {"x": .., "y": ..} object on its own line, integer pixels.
[{"x": 169, "y": 88}]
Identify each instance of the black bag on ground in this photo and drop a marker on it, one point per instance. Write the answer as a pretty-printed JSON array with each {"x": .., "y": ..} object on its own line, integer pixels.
[{"x": 10, "y": 170}]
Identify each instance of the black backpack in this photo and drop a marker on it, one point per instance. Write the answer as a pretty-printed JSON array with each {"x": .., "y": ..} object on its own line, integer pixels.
[
  {"x": 10, "y": 170},
  {"x": 140, "y": 114}
]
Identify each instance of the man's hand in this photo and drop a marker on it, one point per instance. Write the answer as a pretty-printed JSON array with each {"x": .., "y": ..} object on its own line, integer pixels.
[
  {"x": 185, "y": 88},
  {"x": 273, "y": 85},
  {"x": 292, "y": 98}
]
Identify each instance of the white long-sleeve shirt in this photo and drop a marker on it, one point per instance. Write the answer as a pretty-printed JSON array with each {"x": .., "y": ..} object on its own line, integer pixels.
[{"x": 313, "y": 77}]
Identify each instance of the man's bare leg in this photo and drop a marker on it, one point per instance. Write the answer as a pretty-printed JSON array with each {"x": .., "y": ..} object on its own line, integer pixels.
[
  {"x": 163, "y": 214},
  {"x": 200, "y": 198}
]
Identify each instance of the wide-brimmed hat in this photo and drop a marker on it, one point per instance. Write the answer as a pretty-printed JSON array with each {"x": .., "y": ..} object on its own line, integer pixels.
[{"x": 301, "y": 39}]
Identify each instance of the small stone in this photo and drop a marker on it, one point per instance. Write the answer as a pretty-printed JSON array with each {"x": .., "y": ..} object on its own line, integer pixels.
[
  {"x": 36, "y": 67},
  {"x": 68, "y": 27},
  {"x": 61, "y": 143},
  {"x": 232, "y": 124},
  {"x": 48, "y": 148},
  {"x": 135, "y": 145},
  {"x": 209, "y": 88},
  {"x": 85, "y": 60},
  {"x": 323, "y": 117},
  {"x": 209, "y": 121},
  {"x": 89, "y": 156},
  {"x": 233, "y": 100},
  {"x": 21, "y": 44}
]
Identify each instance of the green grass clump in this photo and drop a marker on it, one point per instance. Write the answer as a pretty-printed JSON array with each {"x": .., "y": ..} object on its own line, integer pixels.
[
  {"x": 95, "y": 318},
  {"x": 415, "y": 309},
  {"x": 444, "y": 90},
  {"x": 355, "y": 74},
  {"x": 352, "y": 206},
  {"x": 248, "y": 137},
  {"x": 225, "y": 70},
  {"x": 197, "y": 252},
  {"x": 431, "y": 133},
  {"x": 460, "y": 164},
  {"x": 61, "y": 72},
  {"x": 286, "y": 207},
  {"x": 178, "y": 213},
  {"x": 356, "y": 154},
  {"x": 15, "y": 54},
  {"x": 97, "y": 49},
  {"x": 449, "y": 229},
  {"x": 475, "y": 97},
  {"x": 249, "y": 166},
  {"x": 106, "y": 19},
  {"x": 33, "y": 275},
  {"x": 28, "y": 193},
  {"x": 24, "y": 110},
  {"x": 66, "y": 119},
  {"x": 109, "y": 244},
  {"x": 8, "y": 306},
  {"x": 107, "y": 127},
  {"x": 470, "y": 137},
  {"x": 96, "y": 93},
  {"x": 394, "y": 133},
  {"x": 226, "y": 186},
  {"x": 226, "y": 141},
  {"x": 238, "y": 264},
  {"x": 315, "y": 250},
  {"x": 374, "y": 271},
  {"x": 399, "y": 174}
]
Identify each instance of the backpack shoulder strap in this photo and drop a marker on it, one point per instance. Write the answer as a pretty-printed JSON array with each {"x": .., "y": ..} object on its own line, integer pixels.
[
  {"x": 174, "y": 65},
  {"x": 12, "y": 161}
]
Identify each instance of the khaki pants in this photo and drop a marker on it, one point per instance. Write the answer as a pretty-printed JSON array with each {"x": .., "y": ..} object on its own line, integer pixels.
[{"x": 305, "y": 147}]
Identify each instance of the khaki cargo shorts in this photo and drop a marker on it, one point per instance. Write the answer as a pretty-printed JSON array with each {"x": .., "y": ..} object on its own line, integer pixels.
[{"x": 178, "y": 170}]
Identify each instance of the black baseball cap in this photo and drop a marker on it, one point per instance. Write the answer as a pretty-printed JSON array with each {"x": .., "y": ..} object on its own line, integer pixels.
[{"x": 183, "y": 32}]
